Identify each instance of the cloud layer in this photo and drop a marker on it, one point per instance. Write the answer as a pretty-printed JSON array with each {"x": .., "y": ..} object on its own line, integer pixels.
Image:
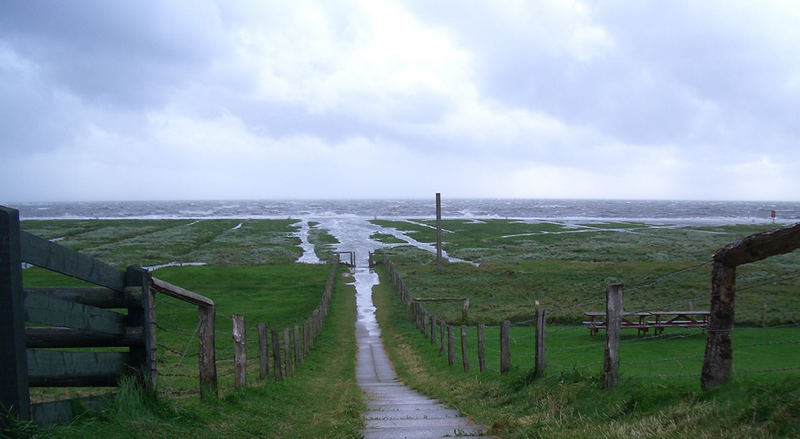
[{"x": 549, "y": 99}]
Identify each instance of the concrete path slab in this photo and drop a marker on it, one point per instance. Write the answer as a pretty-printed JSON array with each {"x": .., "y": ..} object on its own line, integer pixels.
[{"x": 396, "y": 411}]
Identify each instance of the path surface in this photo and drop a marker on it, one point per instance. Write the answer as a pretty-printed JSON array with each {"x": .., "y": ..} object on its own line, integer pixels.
[{"x": 395, "y": 411}]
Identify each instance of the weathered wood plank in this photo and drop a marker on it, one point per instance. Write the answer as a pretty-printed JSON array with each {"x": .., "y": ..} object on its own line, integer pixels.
[
  {"x": 759, "y": 246},
  {"x": 43, "y": 253},
  {"x": 61, "y": 368},
  {"x": 100, "y": 297},
  {"x": 13, "y": 368},
  {"x": 180, "y": 293},
  {"x": 47, "y": 310},
  {"x": 59, "y": 337}
]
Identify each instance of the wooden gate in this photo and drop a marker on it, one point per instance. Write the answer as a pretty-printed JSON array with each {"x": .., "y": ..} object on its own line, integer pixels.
[{"x": 33, "y": 321}]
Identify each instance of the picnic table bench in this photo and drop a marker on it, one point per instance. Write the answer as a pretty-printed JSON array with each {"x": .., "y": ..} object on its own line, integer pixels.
[{"x": 655, "y": 320}]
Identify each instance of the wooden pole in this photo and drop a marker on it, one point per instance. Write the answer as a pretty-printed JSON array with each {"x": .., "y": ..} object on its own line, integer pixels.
[
  {"x": 206, "y": 351},
  {"x": 438, "y": 233},
  {"x": 306, "y": 338},
  {"x": 287, "y": 343},
  {"x": 465, "y": 311},
  {"x": 14, "y": 394},
  {"x": 481, "y": 348},
  {"x": 505, "y": 347},
  {"x": 433, "y": 330},
  {"x": 464, "y": 356},
  {"x": 441, "y": 337},
  {"x": 239, "y": 351},
  {"x": 298, "y": 348},
  {"x": 614, "y": 310},
  {"x": 451, "y": 348},
  {"x": 276, "y": 355},
  {"x": 539, "y": 361},
  {"x": 263, "y": 352},
  {"x": 718, "y": 361}
]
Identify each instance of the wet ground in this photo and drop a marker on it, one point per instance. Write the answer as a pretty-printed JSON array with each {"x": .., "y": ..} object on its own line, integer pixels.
[{"x": 395, "y": 410}]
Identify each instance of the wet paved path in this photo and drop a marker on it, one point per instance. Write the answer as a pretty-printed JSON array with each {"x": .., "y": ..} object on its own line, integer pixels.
[{"x": 395, "y": 411}]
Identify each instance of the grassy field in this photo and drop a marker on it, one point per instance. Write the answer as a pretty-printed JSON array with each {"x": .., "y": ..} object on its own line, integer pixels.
[
  {"x": 566, "y": 267},
  {"x": 568, "y": 401},
  {"x": 251, "y": 272}
]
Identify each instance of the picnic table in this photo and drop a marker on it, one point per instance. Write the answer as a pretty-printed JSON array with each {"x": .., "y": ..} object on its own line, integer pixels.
[{"x": 643, "y": 321}]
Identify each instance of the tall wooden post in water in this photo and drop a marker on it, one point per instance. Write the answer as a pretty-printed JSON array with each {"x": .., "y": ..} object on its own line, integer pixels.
[{"x": 438, "y": 233}]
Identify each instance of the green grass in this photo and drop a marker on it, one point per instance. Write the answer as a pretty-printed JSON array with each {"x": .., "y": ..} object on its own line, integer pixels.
[
  {"x": 569, "y": 401},
  {"x": 152, "y": 242},
  {"x": 567, "y": 267},
  {"x": 386, "y": 238}
]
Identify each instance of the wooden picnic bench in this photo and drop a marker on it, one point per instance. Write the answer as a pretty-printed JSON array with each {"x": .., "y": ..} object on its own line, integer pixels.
[{"x": 655, "y": 320}]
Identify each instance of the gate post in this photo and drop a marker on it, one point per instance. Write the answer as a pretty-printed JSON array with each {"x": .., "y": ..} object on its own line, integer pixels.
[
  {"x": 718, "y": 361},
  {"x": 14, "y": 396}
]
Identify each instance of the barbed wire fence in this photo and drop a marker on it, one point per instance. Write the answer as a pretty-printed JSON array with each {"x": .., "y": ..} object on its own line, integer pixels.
[
  {"x": 765, "y": 341},
  {"x": 177, "y": 348}
]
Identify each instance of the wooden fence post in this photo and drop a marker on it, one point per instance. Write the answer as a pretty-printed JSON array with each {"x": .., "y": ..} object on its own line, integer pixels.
[
  {"x": 481, "y": 348},
  {"x": 539, "y": 361},
  {"x": 505, "y": 347},
  {"x": 14, "y": 394},
  {"x": 306, "y": 338},
  {"x": 239, "y": 351},
  {"x": 614, "y": 309},
  {"x": 276, "y": 355},
  {"x": 442, "y": 324},
  {"x": 718, "y": 362},
  {"x": 451, "y": 349},
  {"x": 298, "y": 348},
  {"x": 263, "y": 352},
  {"x": 464, "y": 357},
  {"x": 433, "y": 330},
  {"x": 206, "y": 350},
  {"x": 465, "y": 311},
  {"x": 438, "y": 233},
  {"x": 288, "y": 351}
]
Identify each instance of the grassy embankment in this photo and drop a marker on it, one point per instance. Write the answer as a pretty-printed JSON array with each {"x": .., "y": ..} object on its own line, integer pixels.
[
  {"x": 573, "y": 268},
  {"x": 321, "y": 400}
]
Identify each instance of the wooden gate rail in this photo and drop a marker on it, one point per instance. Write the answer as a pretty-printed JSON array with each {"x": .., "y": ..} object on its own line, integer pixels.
[{"x": 72, "y": 317}]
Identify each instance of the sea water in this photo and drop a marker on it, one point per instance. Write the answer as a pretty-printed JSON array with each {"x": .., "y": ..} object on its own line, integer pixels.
[{"x": 703, "y": 212}]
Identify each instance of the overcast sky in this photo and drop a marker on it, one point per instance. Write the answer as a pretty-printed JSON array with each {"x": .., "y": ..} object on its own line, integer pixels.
[{"x": 194, "y": 99}]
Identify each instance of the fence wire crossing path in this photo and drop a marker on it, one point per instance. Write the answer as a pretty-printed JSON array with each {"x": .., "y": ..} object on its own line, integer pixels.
[{"x": 395, "y": 411}]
